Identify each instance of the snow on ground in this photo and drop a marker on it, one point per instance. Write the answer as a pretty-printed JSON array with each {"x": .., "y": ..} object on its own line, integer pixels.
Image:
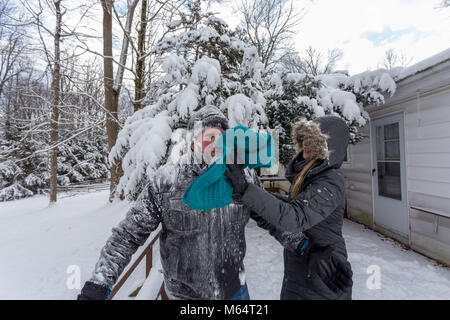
[
  {"x": 404, "y": 274},
  {"x": 39, "y": 242}
]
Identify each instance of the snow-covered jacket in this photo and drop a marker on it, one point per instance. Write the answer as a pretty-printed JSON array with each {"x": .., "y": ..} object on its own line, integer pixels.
[
  {"x": 202, "y": 251},
  {"x": 316, "y": 211}
]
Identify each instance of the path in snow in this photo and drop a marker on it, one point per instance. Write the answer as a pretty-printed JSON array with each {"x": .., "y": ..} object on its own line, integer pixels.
[{"x": 38, "y": 242}]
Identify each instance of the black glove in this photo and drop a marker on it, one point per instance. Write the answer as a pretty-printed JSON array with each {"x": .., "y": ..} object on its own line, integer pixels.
[
  {"x": 94, "y": 291},
  {"x": 236, "y": 176},
  {"x": 335, "y": 271}
]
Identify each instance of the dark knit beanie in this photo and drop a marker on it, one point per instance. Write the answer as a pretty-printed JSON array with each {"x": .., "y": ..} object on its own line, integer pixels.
[{"x": 210, "y": 117}]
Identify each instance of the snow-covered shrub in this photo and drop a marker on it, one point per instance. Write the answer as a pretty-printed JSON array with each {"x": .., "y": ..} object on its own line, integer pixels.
[
  {"x": 205, "y": 63},
  {"x": 25, "y": 171},
  {"x": 83, "y": 159},
  {"x": 21, "y": 174}
]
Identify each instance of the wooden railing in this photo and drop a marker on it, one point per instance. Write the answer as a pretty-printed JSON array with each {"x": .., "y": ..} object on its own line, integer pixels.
[
  {"x": 272, "y": 183},
  {"x": 148, "y": 255},
  {"x": 434, "y": 212},
  {"x": 85, "y": 186}
]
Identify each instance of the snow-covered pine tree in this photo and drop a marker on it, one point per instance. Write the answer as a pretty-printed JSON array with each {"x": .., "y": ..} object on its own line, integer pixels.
[
  {"x": 22, "y": 174},
  {"x": 204, "y": 63},
  {"x": 83, "y": 159},
  {"x": 24, "y": 140},
  {"x": 24, "y": 169},
  {"x": 295, "y": 95}
]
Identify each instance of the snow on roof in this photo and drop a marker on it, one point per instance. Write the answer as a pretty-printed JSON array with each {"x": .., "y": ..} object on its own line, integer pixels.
[{"x": 423, "y": 65}]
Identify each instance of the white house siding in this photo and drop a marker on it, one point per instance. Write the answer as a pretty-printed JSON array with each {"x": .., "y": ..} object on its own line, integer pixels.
[
  {"x": 425, "y": 101},
  {"x": 428, "y": 166},
  {"x": 359, "y": 181}
]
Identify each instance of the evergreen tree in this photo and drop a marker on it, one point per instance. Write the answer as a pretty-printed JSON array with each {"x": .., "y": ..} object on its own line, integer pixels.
[
  {"x": 204, "y": 63},
  {"x": 22, "y": 172},
  {"x": 24, "y": 166},
  {"x": 295, "y": 95},
  {"x": 24, "y": 169}
]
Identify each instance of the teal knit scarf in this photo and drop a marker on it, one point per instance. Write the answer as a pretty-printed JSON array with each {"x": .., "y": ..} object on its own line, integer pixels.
[{"x": 212, "y": 189}]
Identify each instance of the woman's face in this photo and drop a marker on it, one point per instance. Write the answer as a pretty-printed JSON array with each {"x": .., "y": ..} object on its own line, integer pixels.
[{"x": 306, "y": 150}]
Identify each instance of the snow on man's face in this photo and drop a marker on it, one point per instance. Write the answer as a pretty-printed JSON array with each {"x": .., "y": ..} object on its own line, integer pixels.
[{"x": 204, "y": 145}]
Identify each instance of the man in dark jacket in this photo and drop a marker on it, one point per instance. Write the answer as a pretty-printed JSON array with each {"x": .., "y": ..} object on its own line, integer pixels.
[
  {"x": 202, "y": 251},
  {"x": 316, "y": 210}
]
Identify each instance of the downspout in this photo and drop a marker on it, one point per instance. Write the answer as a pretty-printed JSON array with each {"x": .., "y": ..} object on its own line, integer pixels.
[
  {"x": 419, "y": 123},
  {"x": 419, "y": 114},
  {"x": 419, "y": 135}
]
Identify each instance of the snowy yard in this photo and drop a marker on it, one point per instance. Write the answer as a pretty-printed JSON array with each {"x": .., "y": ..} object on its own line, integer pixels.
[{"x": 38, "y": 243}]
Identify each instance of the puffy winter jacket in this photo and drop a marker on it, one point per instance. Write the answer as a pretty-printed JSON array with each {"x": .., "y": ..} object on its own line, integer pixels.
[
  {"x": 317, "y": 211},
  {"x": 202, "y": 251}
]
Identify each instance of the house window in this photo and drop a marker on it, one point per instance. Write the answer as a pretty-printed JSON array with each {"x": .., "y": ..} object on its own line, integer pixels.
[{"x": 388, "y": 160}]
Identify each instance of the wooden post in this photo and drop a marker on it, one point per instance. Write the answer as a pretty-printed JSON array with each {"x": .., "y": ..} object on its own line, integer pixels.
[
  {"x": 162, "y": 292},
  {"x": 145, "y": 253},
  {"x": 148, "y": 262}
]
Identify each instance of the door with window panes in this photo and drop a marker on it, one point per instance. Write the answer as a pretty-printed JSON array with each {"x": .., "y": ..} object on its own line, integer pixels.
[{"x": 389, "y": 178}]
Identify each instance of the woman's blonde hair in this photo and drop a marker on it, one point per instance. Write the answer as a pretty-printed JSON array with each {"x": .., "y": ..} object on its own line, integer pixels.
[{"x": 301, "y": 177}]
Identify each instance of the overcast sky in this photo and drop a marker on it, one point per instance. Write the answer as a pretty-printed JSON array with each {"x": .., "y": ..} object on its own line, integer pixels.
[{"x": 365, "y": 29}]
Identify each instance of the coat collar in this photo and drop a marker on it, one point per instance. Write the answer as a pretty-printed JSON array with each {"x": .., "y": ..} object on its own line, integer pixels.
[{"x": 298, "y": 162}]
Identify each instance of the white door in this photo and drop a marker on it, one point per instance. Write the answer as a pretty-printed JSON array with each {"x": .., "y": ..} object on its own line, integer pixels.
[{"x": 389, "y": 174}]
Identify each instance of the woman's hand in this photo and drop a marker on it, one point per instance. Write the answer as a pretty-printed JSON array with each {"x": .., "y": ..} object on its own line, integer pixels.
[
  {"x": 334, "y": 271},
  {"x": 236, "y": 175}
]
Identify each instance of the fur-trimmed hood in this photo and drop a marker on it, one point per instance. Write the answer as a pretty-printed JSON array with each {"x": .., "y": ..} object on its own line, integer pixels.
[
  {"x": 328, "y": 136},
  {"x": 310, "y": 130}
]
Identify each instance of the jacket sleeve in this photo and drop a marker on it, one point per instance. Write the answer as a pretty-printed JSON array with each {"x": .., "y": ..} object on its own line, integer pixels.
[
  {"x": 286, "y": 239},
  {"x": 314, "y": 204},
  {"x": 131, "y": 233},
  {"x": 251, "y": 177}
]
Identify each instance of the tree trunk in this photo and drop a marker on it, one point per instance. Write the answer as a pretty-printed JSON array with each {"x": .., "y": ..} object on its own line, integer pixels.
[
  {"x": 113, "y": 85},
  {"x": 139, "y": 81},
  {"x": 111, "y": 97},
  {"x": 56, "y": 77}
]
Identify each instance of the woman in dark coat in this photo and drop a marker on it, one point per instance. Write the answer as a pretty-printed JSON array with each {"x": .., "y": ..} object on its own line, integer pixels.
[{"x": 313, "y": 210}]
